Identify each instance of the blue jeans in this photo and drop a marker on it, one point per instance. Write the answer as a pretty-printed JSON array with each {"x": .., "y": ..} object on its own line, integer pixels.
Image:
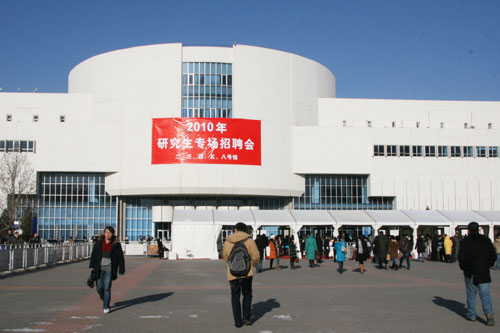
[
  {"x": 421, "y": 257},
  {"x": 497, "y": 264},
  {"x": 484, "y": 295},
  {"x": 103, "y": 288},
  {"x": 259, "y": 265},
  {"x": 406, "y": 255}
]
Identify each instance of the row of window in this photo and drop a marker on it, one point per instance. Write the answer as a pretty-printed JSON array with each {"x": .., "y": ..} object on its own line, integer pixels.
[
  {"x": 17, "y": 146},
  {"x": 207, "y": 113},
  {"x": 206, "y": 79},
  {"x": 62, "y": 118},
  {"x": 418, "y": 125},
  {"x": 435, "y": 151}
]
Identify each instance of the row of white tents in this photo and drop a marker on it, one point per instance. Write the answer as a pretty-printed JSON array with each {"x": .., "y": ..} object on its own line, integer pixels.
[{"x": 195, "y": 232}]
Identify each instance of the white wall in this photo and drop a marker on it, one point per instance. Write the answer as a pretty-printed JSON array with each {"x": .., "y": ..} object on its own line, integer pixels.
[{"x": 417, "y": 182}]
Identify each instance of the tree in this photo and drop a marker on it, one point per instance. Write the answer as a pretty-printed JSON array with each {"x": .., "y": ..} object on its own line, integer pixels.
[{"x": 17, "y": 182}]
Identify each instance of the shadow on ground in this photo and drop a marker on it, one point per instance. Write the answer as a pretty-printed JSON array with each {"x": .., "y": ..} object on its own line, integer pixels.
[
  {"x": 260, "y": 309},
  {"x": 141, "y": 300},
  {"x": 459, "y": 308}
]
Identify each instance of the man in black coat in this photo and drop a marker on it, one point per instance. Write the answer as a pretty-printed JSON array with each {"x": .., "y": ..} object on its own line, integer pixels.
[
  {"x": 381, "y": 243},
  {"x": 319, "y": 244},
  {"x": 476, "y": 255},
  {"x": 260, "y": 241}
]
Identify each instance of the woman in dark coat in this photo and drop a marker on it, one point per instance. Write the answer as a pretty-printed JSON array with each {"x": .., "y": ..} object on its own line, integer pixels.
[
  {"x": 106, "y": 261},
  {"x": 361, "y": 252},
  {"x": 293, "y": 253}
]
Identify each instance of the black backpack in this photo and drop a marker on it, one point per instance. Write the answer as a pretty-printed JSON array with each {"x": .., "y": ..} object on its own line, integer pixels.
[{"x": 239, "y": 259}]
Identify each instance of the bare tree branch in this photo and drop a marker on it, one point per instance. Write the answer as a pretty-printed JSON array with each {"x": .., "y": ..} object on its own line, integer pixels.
[{"x": 17, "y": 182}]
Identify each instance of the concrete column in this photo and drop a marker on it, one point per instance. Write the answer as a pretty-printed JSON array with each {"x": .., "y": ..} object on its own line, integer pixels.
[{"x": 491, "y": 233}]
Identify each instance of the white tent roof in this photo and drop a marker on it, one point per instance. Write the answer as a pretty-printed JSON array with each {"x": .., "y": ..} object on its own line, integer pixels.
[
  {"x": 464, "y": 216},
  {"x": 231, "y": 217},
  {"x": 492, "y": 215},
  {"x": 312, "y": 217},
  {"x": 273, "y": 217},
  {"x": 427, "y": 217},
  {"x": 390, "y": 217},
  {"x": 351, "y": 217},
  {"x": 193, "y": 216}
]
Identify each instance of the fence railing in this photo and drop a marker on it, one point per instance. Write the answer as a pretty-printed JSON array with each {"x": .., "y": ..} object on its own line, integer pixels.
[{"x": 25, "y": 256}]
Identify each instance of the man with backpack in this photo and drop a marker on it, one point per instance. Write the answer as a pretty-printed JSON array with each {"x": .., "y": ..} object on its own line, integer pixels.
[{"x": 241, "y": 255}]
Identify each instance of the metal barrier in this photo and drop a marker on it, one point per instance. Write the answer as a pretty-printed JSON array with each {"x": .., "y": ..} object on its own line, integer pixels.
[{"x": 25, "y": 256}]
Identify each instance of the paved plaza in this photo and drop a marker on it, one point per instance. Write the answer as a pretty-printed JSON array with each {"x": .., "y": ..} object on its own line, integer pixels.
[{"x": 192, "y": 296}]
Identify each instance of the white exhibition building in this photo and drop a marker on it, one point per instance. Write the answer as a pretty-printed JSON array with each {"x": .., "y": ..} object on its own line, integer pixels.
[{"x": 181, "y": 142}]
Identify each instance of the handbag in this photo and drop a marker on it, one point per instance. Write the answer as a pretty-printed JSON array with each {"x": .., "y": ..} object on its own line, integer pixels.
[
  {"x": 317, "y": 255},
  {"x": 91, "y": 279},
  {"x": 296, "y": 260},
  {"x": 344, "y": 249},
  {"x": 388, "y": 257}
]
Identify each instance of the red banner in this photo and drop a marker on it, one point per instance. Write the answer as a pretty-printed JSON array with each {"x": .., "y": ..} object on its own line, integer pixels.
[{"x": 206, "y": 140}]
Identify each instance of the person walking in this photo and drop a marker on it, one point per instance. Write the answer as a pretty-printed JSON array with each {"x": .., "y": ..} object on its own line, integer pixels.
[
  {"x": 106, "y": 261},
  {"x": 420, "y": 247},
  {"x": 35, "y": 239},
  {"x": 448, "y": 248},
  {"x": 274, "y": 253},
  {"x": 311, "y": 249},
  {"x": 361, "y": 252},
  {"x": 406, "y": 247},
  {"x": 260, "y": 242},
  {"x": 341, "y": 250},
  {"x": 381, "y": 247},
  {"x": 293, "y": 252},
  {"x": 497, "y": 248},
  {"x": 242, "y": 243},
  {"x": 319, "y": 245},
  {"x": 476, "y": 255},
  {"x": 393, "y": 251},
  {"x": 326, "y": 247}
]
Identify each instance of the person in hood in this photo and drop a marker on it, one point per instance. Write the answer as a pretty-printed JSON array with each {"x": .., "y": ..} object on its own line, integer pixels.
[
  {"x": 106, "y": 261},
  {"x": 241, "y": 285},
  {"x": 476, "y": 255}
]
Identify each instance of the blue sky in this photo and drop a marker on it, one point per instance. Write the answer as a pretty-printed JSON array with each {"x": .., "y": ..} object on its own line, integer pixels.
[{"x": 426, "y": 49}]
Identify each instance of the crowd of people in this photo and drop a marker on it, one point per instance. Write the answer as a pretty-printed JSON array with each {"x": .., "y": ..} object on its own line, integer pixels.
[{"x": 386, "y": 251}]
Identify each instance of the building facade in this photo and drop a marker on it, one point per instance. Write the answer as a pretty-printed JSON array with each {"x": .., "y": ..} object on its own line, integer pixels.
[{"x": 92, "y": 147}]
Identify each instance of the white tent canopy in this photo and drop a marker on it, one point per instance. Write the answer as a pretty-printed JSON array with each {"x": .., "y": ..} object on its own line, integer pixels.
[{"x": 195, "y": 232}]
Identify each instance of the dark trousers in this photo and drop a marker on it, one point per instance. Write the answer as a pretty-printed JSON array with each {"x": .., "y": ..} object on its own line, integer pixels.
[
  {"x": 292, "y": 263},
  {"x": 341, "y": 266},
  {"x": 406, "y": 255},
  {"x": 238, "y": 287},
  {"x": 382, "y": 260},
  {"x": 311, "y": 262}
]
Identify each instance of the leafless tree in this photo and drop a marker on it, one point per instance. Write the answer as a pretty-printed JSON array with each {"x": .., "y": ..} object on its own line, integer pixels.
[{"x": 17, "y": 182}]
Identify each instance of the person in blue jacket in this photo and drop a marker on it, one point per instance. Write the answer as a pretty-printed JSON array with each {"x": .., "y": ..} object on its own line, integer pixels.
[
  {"x": 311, "y": 249},
  {"x": 340, "y": 254}
]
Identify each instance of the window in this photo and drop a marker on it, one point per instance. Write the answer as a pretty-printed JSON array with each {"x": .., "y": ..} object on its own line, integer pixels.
[
  {"x": 468, "y": 151},
  {"x": 493, "y": 151},
  {"x": 417, "y": 151},
  {"x": 404, "y": 151},
  {"x": 206, "y": 90},
  {"x": 443, "y": 151},
  {"x": 430, "y": 151},
  {"x": 392, "y": 150},
  {"x": 9, "y": 117},
  {"x": 62, "y": 118},
  {"x": 481, "y": 151},
  {"x": 379, "y": 150},
  {"x": 18, "y": 146},
  {"x": 456, "y": 151},
  {"x": 35, "y": 118}
]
